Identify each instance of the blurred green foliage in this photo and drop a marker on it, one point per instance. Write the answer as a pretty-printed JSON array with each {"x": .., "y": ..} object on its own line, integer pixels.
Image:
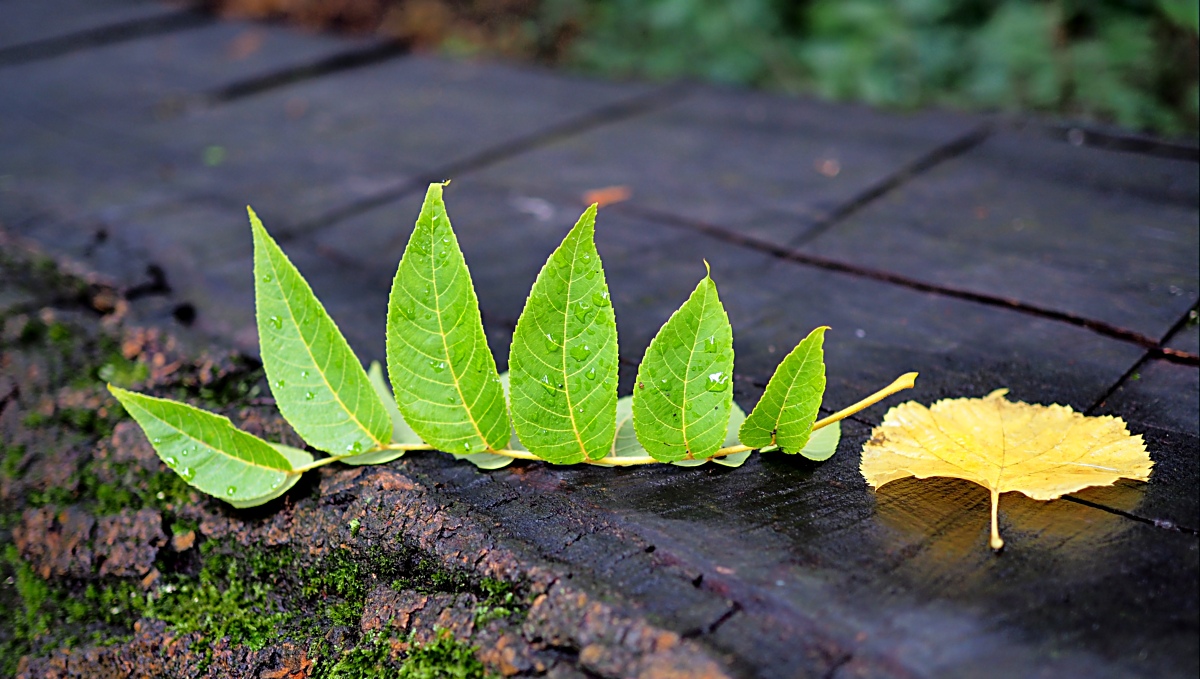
[{"x": 1129, "y": 62}]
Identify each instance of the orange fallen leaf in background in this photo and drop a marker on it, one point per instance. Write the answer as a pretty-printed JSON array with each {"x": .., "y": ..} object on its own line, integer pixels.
[
  {"x": 1041, "y": 451},
  {"x": 607, "y": 195}
]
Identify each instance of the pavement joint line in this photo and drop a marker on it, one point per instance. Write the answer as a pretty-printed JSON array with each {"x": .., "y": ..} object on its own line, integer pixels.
[
  {"x": 1083, "y": 135},
  {"x": 614, "y": 112},
  {"x": 786, "y": 253},
  {"x": 48, "y": 48},
  {"x": 948, "y": 151},
  {"x": 1157, "y": 523},
  {"x": 337, "y": 63}
]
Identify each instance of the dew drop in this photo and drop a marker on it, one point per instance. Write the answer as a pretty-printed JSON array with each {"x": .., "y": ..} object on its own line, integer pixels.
[
  {"x": 591, "y": 373},
  {"x": 267, "y": 278},
  {"x": 580, "y": 352},
  {"x": 170, "y": 462},
  {"x": 276, "y": 483},
  {"x": 551, "y": 344},
  {"x": 451, "y": 399},
  {"x": 230, "y": 491},
  {"x": 587, "y": 257},
  {"x": 187, "y": 473},
  {"x": 186, "y": 451},
  {"x": 717, "y": 382},
  {"x": 275, "y": 322},
  {"x": 279, "y": 384},
  {"x": 584, "y": 312},
  {"x": 438, "y": 366},
  {"x": 354, "y": 448},
  {"x": 409, "y": 312},
  {"x": 466, "y": 445},
  {"x": 546, "y": 383},
  {"x": 710, "y": 344},
  {"x": 600, "y": 299},
  {"x": 308, "y": 396},
  {"x": 156, "y": 440},
  {"x": 304, "y": 373},
  {"x": 590, "y": 274}
]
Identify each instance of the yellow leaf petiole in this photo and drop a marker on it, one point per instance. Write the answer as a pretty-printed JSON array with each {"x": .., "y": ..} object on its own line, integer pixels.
[{"x": 905, "y": 381}]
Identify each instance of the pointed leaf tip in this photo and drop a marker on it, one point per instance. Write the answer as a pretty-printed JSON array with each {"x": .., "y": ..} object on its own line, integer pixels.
[{"x": 318, "y": 382}]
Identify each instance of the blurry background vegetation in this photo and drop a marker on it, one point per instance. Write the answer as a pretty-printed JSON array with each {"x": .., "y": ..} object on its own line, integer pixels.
[{"x": 1133, "y": 63}]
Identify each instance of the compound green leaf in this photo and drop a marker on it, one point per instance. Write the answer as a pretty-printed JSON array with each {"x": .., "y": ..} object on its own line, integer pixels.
[
  {"x": 785, "y": 414},
  {"x": 318, "y": 383},
  {"x": 207, "y": 451},
  {"x": 297, "y": 457},
  {"x": 442, "y": 372},
  {"x": 683, "y": 394},
  {"x": 563, "y": 361}
]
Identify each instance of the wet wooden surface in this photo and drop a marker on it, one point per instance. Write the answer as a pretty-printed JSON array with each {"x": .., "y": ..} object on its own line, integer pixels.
[{"x": 980, "y": 254}]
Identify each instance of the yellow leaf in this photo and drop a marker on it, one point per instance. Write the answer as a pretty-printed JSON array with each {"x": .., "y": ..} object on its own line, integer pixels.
[{"x": 1041, "y": 451}]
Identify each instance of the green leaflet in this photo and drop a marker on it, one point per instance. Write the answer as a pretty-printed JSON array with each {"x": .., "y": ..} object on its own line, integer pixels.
[
  {"x": 208, "y": 451},
  {"x": 442, "y": 372},
  {"x": 318, "y": 383},
  {"x": 626, "y": 443},
  {"x": 563, "y": 361},
  {"x": 785, "y": 414},
  {"x": 823, "y": 443},
  {"x": 683, "y": 394}
]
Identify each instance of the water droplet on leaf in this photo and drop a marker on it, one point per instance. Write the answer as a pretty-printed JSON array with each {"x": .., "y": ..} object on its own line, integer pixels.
[
  {"x": 438, "y": 366},
  {"x": 187, "y": 473},
  {"x": 275, "y": 322},
  {"x": 600, "y": 299},
  {"x": 591, "y": 373},
  {"x": 308, "y": 396},
  {"x": 580, "y": 352},
  {"x": 230, "y": 491},
  {"x": 717, "y": 382},
  {"x": 267, "y": 278}
]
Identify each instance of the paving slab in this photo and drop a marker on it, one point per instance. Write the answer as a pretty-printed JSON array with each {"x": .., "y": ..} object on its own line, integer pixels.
[
  {"x": 28, "y": 21},
  {"x": 1101, "y": 234},
  {"x": 1161, "y": 402},
  {"x": 761, "y": 165}
]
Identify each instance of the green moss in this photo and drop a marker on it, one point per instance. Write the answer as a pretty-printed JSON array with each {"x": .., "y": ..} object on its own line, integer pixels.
[
  {"x": 372, "y": 658},
  {"x": 499, "y": 601},
  {"x": 28, "y": 618}
]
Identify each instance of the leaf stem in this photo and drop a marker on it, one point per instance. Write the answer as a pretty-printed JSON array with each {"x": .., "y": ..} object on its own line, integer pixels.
[
  {"x": 905, "y": 381},
  {"x": 901, "y": 383},
  {"x": 997, "y": 541}
]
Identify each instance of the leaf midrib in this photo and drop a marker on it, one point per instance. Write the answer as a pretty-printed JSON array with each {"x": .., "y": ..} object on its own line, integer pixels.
[
  {"x": 788, "y": 394},
  {"x": 209, "y": 445},
  {"x": 687, "y": 441},
  {"x": 308, "y": 349},
  {"x": 564, "y": 352},
  {"x": 437, "y": 301}
]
